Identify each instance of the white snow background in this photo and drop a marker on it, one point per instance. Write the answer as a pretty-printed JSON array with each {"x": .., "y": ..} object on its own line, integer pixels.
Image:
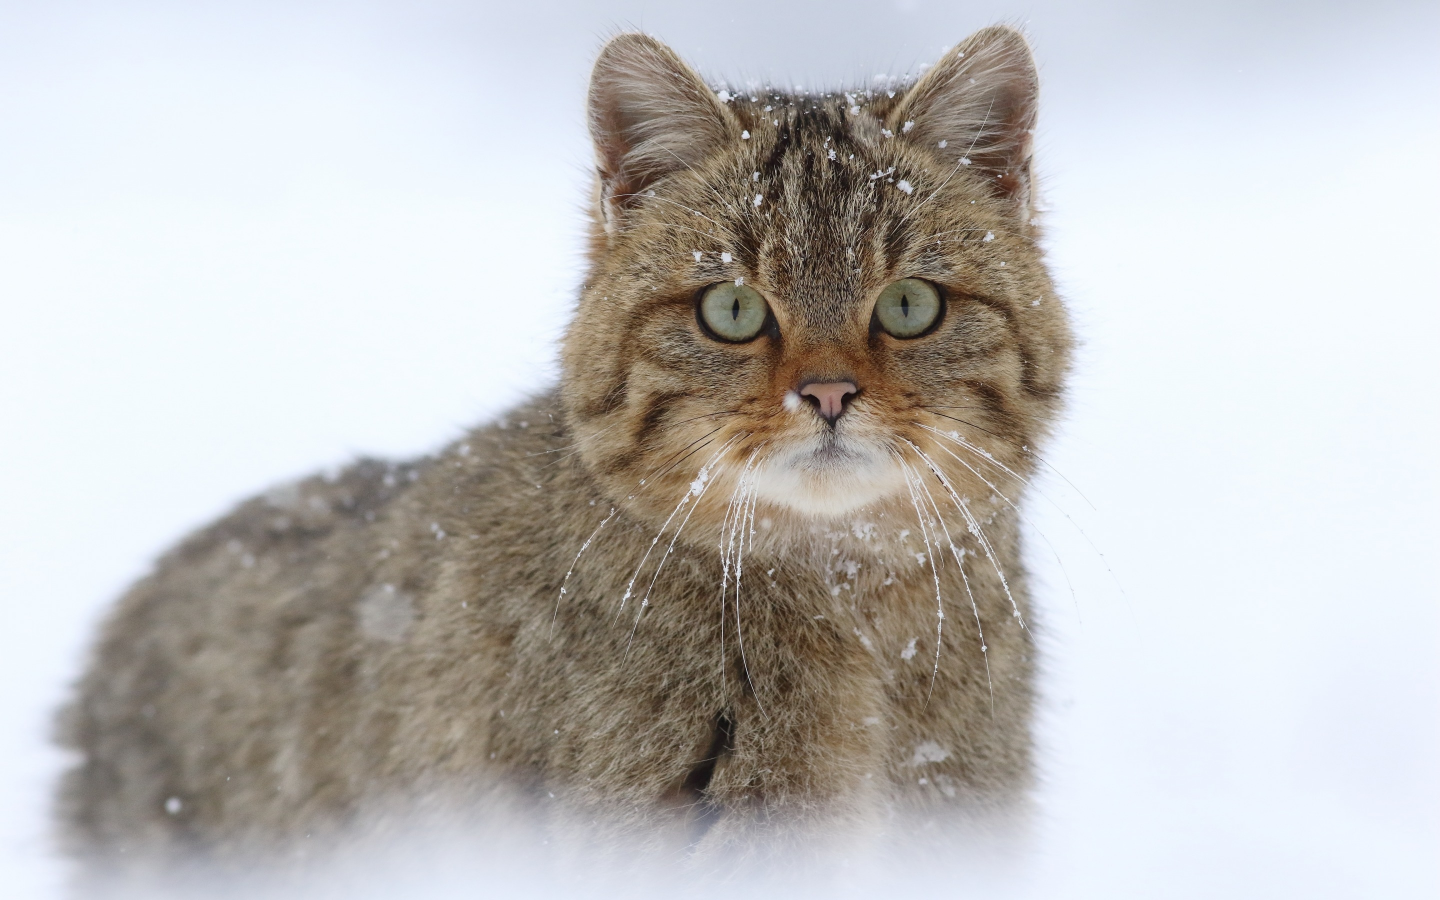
[{"x": 243, "y": 241}]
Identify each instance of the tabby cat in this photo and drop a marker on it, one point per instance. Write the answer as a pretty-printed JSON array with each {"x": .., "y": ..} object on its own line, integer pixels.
[{"x": 752, "y": 567}]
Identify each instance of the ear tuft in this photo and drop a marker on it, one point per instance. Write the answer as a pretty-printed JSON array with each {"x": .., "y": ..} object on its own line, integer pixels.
[
  {"x": 976, "y": 108},
  {"x": 650, "y": 116}
]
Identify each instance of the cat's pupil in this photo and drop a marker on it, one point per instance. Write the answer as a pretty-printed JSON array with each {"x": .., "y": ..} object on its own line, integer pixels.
[
  {"x": 735, "y": 310},
  {"x": 904, "y": 305}
]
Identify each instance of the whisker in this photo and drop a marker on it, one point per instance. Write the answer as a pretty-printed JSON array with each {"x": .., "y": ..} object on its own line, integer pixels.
[
  {"x": 970, "y": 424},
  {"x": 640, "y": 488},
  {"x": 698, "y": 488},
  {"x": 934, "y": 572},
  {"x": 910, "y": 481},
  {"x": 981, "y": 452},
  {"x": 653, "y": 475},
  {"x": 583, "y": 547},
  {"x": 629, "y": 588},
  {"x": 975, "y": 529},
  {"x": 1046, "y": 463},
  {"x": 726, "y": 549},
  {"x": 739, "y": 570},
  {"x": 959, "y": 554},
  {"x": 987, "y": 409},
  {"x": 1024, "y": 518},
  {"x": 990, "y": 459}
]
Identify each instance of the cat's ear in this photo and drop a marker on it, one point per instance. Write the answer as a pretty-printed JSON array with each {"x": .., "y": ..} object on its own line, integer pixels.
[
  {"x": 650, "y": 116},
  {"x": 976, "y": 108}
]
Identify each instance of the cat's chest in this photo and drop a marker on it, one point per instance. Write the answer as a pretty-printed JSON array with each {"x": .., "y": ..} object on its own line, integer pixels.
[{"x": 886, "y": 606}]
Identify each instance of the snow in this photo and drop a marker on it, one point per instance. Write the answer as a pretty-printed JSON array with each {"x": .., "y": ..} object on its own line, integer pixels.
[
  {"x": 218, "y": 221},
  {"x": 928, "y": 752},
  {"x": 385, "y": 614}
]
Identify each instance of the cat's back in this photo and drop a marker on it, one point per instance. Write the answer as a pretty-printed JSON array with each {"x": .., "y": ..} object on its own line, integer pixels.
[{"x": 241, "y": 681}]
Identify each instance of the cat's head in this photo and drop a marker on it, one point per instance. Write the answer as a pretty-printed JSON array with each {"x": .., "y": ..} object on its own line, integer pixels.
[{"x": 817, "y": 297}]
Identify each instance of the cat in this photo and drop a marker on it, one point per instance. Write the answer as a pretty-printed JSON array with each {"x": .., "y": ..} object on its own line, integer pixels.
[{"x": 753, "y": 565}]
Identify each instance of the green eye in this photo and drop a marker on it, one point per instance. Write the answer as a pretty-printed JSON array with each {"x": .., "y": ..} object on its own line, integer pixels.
[
  {"x": 908, "y": 308},
  {"x": 733, "y": 312}
]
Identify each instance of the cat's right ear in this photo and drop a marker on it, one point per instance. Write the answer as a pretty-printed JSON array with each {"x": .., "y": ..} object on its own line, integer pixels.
[
  {"x": 976, "y": 108},
  {"x": 650, "y": 116}
]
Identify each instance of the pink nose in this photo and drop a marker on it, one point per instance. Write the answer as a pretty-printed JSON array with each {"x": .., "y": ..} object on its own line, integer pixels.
[{"x": 829, "y": 397}]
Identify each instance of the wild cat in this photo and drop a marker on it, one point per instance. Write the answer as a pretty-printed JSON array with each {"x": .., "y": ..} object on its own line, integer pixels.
[{"x": 752, "y": 565}]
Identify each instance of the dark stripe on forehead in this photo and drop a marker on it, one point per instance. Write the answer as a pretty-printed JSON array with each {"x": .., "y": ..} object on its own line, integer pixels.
[{"x": 773, "y": 165}]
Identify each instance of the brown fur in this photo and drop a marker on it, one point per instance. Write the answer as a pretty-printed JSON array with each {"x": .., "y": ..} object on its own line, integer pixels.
[{"x": 407, "y": 631}]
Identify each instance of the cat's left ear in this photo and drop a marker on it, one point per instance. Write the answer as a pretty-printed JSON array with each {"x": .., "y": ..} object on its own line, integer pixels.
[
  {"x": 976, "y": 109},
  {"x": 650, "y": 116}
]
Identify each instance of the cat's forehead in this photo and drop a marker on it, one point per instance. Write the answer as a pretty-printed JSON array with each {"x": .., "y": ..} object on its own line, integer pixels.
[
  {"x": 800, "y": 135},
  {"x": 815, "y": 197}
]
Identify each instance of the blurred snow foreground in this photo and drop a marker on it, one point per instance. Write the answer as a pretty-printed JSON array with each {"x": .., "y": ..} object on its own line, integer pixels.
[
  {"x": 514, "y": 854},
  {"x": 240, "y": 241}
]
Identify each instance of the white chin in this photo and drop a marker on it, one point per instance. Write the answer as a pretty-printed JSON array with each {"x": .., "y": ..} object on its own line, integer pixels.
[{"x": 829, "y": 483}]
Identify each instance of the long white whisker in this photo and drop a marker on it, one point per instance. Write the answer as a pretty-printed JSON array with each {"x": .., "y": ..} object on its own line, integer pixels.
[
  {"x": 727, "y": 546},
  {"x": 640, "y": 488},
  {"x": 698, "y": 487},
  {"x": 1046, "y": 463},
  {"x": 959, "y": 555},
  {"x": 934, "y": 572},
  {"x": 979, "y": 451},
  {"x": 955, "y": 438},
  {"x": 684, "y": 501},
  {"x": 573, "y": 562},
  {"x": 974, "y": 526},
  {"x": 747, "y": 520},
  {"x": 1024, "y": 518}
]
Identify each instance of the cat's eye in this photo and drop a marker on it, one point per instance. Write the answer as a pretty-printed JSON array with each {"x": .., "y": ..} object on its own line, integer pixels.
[
  {"x": 733, "y": 312},
  {"x": 909, "y": 308}
]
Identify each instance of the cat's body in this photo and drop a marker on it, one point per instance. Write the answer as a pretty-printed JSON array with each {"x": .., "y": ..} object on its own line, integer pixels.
[{"x": 670, "y": 597}]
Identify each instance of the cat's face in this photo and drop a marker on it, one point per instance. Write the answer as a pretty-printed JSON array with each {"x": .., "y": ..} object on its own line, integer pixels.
[{"x": 811, "y": 297}]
